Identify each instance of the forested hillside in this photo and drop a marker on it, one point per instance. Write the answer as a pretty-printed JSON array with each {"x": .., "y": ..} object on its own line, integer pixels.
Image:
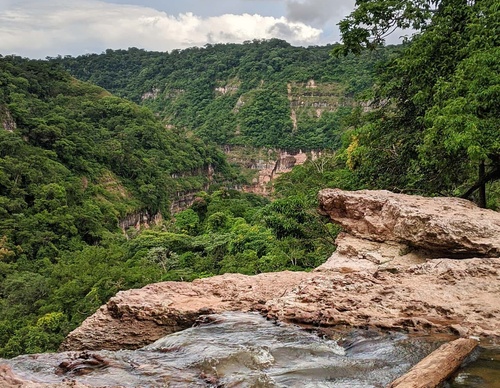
[
  {"x": 261, "y": 93},
  {"x": 75, "y": 164},
  {"x": 75, "y": 159}
]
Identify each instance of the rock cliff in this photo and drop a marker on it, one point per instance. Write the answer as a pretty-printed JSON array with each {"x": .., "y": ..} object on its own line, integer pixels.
[
  {"x": 394, "y": 268},
  {"x": 263, "y": 166}
]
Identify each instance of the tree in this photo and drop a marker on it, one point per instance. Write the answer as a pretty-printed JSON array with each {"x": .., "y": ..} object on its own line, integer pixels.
[{"x": 438, "y": 121}]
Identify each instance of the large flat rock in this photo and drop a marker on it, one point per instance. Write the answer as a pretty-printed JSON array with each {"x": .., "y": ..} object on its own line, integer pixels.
[
  {"x": 455, "y": 296},
  {"x": 138, "y": 317},
  {"x": 391, "y": 270},
  {"x": 447, "y": 227},
  {"x": 451, "y": 296}
]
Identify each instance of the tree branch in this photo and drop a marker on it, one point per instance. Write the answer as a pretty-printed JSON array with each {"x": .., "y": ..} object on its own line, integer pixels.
[{"x": 491, "y": 176}]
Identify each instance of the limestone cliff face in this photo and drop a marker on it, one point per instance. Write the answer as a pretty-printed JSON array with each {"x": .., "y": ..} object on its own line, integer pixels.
[
  {"x": 391, "y": 270},
  {"x": 6, "y": 119},
  {"x": 139, "y": 220},
  {"x": 314, "y": 98},
  {"x": 266, "y": 165},
  {"x": 181, "y": 200},
  {"x": 271, "y": 170}
]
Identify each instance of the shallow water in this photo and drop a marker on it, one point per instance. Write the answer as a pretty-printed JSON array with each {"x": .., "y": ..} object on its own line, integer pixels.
[
  {"x": 239, "y": 350},
  {"x": 484, "y": 372}
]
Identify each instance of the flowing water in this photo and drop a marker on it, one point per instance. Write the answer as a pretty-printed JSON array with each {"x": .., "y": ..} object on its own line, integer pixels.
[{"x": 240, "y": 350}]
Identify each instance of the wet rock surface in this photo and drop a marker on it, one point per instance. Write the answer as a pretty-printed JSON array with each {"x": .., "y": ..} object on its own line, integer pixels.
[{"x": 235, "y": 349}]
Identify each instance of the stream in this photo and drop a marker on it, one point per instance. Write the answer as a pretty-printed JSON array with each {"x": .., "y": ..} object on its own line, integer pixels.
[{"x": 246, "y": 350}]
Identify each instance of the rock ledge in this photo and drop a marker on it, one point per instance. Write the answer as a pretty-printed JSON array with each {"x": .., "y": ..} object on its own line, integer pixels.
[{"x": 393, "y": 269}]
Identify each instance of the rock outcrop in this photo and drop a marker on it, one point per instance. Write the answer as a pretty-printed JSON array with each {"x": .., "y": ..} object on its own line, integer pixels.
[
  {"x": 135, "y": 318},
  {"x": 393, "y": 268},
  {"x": 7, "y": 121},
  {"x": 446, "y": 227}
]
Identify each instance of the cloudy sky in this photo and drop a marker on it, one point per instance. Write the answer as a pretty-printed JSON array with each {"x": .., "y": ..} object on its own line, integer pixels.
[{"x": 41, "y": 28}]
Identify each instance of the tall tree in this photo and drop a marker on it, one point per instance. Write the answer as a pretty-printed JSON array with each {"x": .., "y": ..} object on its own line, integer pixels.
[{"x": 438, "y": 125}]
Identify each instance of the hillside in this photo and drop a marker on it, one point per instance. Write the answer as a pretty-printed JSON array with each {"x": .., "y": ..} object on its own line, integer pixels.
[
  {"x": 79, "y": 169},
  {"x": 76, "y": 164},
  {"x": 66, "y": 142},
  {"x": 259, "y": 94}
]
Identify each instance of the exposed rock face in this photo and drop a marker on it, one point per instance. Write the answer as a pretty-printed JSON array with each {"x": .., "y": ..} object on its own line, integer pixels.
[
  {"x": 139, "y": 220},
  {"x": 391, "y": 270},
  {"x": 135, "y": 318},
  {"x": 460, "y": 297},
  {"x": 449, "y": 227},
  {"x": 272, "y": 169},
  {"x": 6, "y": 119}
]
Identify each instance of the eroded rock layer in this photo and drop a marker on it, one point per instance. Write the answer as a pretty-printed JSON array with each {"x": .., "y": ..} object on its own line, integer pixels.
[
  {"x": 392, "y": 269},
  {"x": 445, "y": 226}
]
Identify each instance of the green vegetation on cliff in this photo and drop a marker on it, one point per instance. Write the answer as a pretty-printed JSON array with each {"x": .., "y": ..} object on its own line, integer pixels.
[
  {"x": 261, "y": 93},
  {"x": 75, "y": 163},
  {"x": 75, "y": 159}
]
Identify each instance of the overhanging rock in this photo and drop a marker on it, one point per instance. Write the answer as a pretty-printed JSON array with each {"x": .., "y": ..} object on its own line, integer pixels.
[{"x": 446, "y": 227}]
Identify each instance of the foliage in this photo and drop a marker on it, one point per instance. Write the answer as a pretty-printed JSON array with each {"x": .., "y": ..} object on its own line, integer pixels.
[
  {"x": 237, "y": 232},
  {"x": 239, "y": 94},
  {"x": 436, "y": 131},
  {"x": 74, "y": 161}
]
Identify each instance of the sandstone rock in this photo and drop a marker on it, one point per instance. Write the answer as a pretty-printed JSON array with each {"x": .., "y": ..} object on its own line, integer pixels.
[
  {"x": 437, "y": 296},
  {"x": 357, "y": 254},
  {"x": 135, "y": 318},
  {"x": 449, "y": 227},
  {"x": 380, "y": 276}
]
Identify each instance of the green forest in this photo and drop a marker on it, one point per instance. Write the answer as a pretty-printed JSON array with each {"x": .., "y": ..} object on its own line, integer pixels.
[
  {"x": 90, "y": 142},
  {"x": 241, "y": 94}
]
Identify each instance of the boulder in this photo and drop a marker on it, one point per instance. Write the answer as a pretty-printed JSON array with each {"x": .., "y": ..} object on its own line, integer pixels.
[{"x": 446, "y": 227}]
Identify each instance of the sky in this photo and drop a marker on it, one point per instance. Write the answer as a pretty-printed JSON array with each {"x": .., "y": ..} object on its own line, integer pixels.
[{"x": 42, "y": 28}]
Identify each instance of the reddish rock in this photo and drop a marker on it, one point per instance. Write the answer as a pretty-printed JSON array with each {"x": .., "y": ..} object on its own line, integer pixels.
[{"x": 460, "y": 297}]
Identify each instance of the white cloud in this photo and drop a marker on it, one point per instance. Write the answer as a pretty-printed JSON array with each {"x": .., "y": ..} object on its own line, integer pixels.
[{"x": 39, "y": 28}]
